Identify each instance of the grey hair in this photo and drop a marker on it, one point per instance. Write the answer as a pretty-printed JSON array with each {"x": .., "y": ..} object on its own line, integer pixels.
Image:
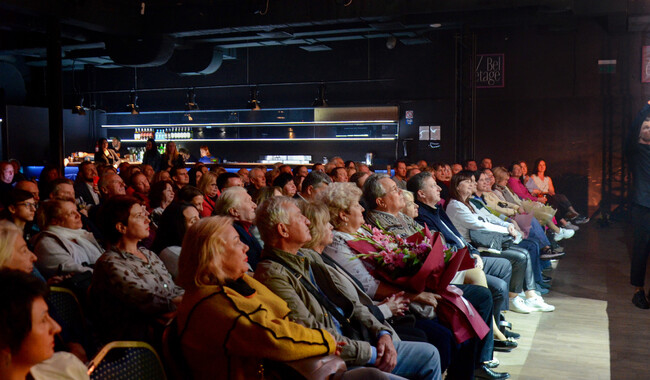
[
  {"x": 339, "y": 196},
  {"x": 373, "y": 190},
  {"x": 269, "y": 214},
  {"x": 230, "y": 198},
  {"x": 416, "y": 183}
]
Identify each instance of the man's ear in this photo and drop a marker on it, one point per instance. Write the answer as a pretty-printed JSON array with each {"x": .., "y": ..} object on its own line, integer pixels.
[
  {"x": 419, "y": 195},
  {"x": 282, "y": 230},
  {"x": 380, "y": 202},
  {"x": 233, "y": 212}
]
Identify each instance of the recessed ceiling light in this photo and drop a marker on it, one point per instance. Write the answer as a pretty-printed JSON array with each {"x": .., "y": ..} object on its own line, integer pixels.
[{"x": 436, "y": 25}]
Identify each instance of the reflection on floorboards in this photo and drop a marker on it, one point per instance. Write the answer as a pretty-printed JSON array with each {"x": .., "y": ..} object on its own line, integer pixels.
[{"x": 595, "y": 331}]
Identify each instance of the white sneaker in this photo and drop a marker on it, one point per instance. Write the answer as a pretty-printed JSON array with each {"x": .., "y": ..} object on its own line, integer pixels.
[
  {"x": 518, "y": 305},
  {"x": 538, "y": 304},
  {"x": 564, "y": 234}
]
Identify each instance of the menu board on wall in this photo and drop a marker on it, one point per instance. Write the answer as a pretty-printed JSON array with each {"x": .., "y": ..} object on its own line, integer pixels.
[
  {"x": 490, "y": 70},
  {"x": 645, "y": 64}
]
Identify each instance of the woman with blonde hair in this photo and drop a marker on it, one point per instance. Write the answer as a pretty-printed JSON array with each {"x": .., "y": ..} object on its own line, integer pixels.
[
  {"x": 208, "y": 186},
  {"x": 171, "y": 158},
  {"x": 14, "y": 253},
  {"x": 223, "y": 334}
]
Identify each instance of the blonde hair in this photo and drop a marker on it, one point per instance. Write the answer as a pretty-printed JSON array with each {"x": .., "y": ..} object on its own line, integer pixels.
[
  {"x": 339, "y": 196},
  {"x": 9, "y": 232},
  {"x": 204, "y": 182},
  {"x": 319, "y": 216},
  {"x": 500, "y": 173},
  {"x": 201, "y": 260},
  {"x": 230, "y": 198}
]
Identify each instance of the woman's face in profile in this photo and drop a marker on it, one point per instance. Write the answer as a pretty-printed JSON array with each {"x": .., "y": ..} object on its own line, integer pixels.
[
  {"x": 38, "y": 345},
  {"x": 234, "y": 262}
]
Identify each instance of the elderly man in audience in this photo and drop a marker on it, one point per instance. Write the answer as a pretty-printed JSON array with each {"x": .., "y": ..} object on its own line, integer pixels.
[
  {"x": 243, "y": 174},
  {"x": 339, "y": 175},
  {"x": 85, "y": 186},
  {"x": 63, "y": 246},
  {"x": 257, "y": 181},
  {"x": 384, "y": 201},
  {"x": 111, "y": 185},
  {"x": 315, "y": 300},
  {"x": 314, "y": 183},
  {"x": 238, "y": 204}
]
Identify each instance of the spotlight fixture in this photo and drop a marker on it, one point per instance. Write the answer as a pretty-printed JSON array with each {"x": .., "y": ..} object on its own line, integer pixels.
[
  {"x": 254, "y": 103},
  {"x": 79, "y": 109},
  {"x": 320, "y": 101},
  {"x": 190, "y": 104},
  {"x": 133, "y": 105}
]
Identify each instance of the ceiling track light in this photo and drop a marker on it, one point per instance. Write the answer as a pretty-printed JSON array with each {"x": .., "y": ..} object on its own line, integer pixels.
[
  {"x": 79, "y": 109},
  {"x": 320, "y": 101},
  {"x": 133, "y": 105},
  {"x": 254, "y": 103}
]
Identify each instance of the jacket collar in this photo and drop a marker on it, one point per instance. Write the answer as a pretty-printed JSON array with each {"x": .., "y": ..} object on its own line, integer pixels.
[{"x": 298, "y": 262}]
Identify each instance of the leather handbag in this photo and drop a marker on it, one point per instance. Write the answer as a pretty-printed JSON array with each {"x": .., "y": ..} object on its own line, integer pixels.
[{"x": 490, "y": 240}]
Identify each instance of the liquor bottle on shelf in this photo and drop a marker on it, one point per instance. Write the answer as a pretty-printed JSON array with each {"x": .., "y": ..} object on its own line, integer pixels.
[{"x": 136, "y": 134}]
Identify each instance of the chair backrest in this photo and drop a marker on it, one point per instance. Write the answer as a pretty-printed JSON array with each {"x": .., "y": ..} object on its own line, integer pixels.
[
  {"x": 65, "y": 308},
  {"x": 125, "y": 360},
  {"x": 177, "y": 366}
]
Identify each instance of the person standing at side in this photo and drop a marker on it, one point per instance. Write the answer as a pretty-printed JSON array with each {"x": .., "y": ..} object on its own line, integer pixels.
[{"x": 639, "y": 157}]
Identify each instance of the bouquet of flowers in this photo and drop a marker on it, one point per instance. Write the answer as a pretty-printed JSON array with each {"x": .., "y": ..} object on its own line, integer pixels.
[{"x": 421, "y": 262}]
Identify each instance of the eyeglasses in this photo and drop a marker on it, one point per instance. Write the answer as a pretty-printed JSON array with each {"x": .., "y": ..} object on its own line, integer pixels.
[{"x": 33, "y": 205}]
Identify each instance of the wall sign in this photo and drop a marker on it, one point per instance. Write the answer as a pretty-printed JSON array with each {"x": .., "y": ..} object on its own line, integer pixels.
[{"x": 490, "y": 71}]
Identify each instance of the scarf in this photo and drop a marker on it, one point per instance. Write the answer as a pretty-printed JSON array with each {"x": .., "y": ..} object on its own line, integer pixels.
[{"x": 82, "y": 238}]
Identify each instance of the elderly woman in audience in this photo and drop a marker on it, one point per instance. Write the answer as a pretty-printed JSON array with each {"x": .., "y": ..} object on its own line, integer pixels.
[
  {"x": 175, "y": 221},
  {"x": 285, "y": 182},
  {"x": 161, "y": 195},
  {"x": 410, "y": 208},
  {"x": 208, "y": 186},
  {"x": 212, "y": 269},
  {"x": 27, "y": 332},
  {"x": 132, "y": 292},
  {"x": 237, "y": 203},
  {"x": 63, "y": 247},
  {"x": 539, "y": 184},
  {"x": 465, "y": 217},
  {"x": 14, "y": 253}
]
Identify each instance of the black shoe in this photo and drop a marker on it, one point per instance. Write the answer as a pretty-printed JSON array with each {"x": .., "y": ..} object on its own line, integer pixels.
[
  {"x": 505, "y": 345},
  {"x": 511, "y": 334},
  {"x": 551, "y": 254},
  {"x": 640, "y": 301},
  {"x": 580, "y": 220},
  {"x": 483, "y": 372},
  {"x": 546, "y": 278}
]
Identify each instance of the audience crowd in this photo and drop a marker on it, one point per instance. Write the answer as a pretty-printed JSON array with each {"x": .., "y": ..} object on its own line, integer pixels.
[{"x": 252, "y": 271}]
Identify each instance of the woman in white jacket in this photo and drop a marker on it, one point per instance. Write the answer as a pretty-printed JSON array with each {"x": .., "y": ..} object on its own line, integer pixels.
[{"x": 466, "y": 218}]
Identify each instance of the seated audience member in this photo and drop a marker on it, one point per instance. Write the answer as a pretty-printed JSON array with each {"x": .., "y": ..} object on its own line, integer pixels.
[
  {"x": 126, "y": 170},
  {"x": 465, "y": 218},
  {"x": 299, "y": 174},
  {"x": 30, "y": 186},
  {"x": 116, "y": 145},
  {"x": 218, "y": 170},
  {"x": 62, "y": 189},
  {"x": 85, "y": 186},
  {"x": 486, "y": 163},
  {"x": 180, "y": 177},
  {"x": 111, "y": 185},
  {"x": 257, "y": 181},
  {"x": 63, "y": 246},
  {"x": 151, "y": 156},
  {"x": 243, "y": 174},
  {"x": 161, "y": 195},
  {"x": 148, "y": 172},
  {"x": 162, "y": 175},
  {"x": 518, "y": 188},
  {"x": 174, "y": 222},
  {"x": 227, "y": 180},
  {"x": 193, "y": 196},
  {"x": 48, "y": 174},
  {"x": 132, "y": 291},
  {"x": 206, "y": 157},
  {"x": 400, "y": 174},
  {"x": 6, "y": 179},
  {"x": 540, "y": 184},
  {"x": 319, "y": 167},
  {"x": 359, "y": 178},
  {"x": 237, "y": 203},
  {"x": 338, "y": 162},
  {"x": 171, "y": 158},
  {"x": 104, "y": 154},
  {"x": 456, "y": 168},
  {"x": 339, "y": 175},
  {"x": 411, "y": 172},
  {"x": 196, "y": 173},
  {"x": 524, "y": 172},
  {"x": 470, "y": 164},
  {"x": 272, "y": 174},
  {"x": 285, "y": 169},
  {"x": 385, "y": 201},
  {"x": 284, "y": 231},
  {"x": 285, "y": 182},
  {"x": 14, "y": 252},
  {"x": 212, "y": 269},
  {"x": 313, "y": 183},
  {"x": 268, "y": 192},
  {"x": 422, "y": 165},
  {"x": 20, "y": 210},
  {"x": 27, "y": 332},
  {"x": 410, "y": 208},
  {"x": 18, "y": 175},
  {"x": 139, "y": 188},
  {"x": 208, "y": 186}
]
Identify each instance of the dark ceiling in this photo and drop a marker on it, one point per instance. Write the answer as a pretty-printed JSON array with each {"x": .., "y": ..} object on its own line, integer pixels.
[{"x": 194, "y": 36}]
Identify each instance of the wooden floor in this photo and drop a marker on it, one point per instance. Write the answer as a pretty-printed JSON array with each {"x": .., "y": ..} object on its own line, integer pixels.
[{"x": 595, "y": 331}]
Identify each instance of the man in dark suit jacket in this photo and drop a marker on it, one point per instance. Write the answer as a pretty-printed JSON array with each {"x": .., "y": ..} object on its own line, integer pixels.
[{"x": 84, "y": 186}]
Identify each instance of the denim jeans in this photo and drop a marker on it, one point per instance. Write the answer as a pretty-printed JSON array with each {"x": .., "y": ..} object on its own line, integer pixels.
[{"x": 417, "y": 360}]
